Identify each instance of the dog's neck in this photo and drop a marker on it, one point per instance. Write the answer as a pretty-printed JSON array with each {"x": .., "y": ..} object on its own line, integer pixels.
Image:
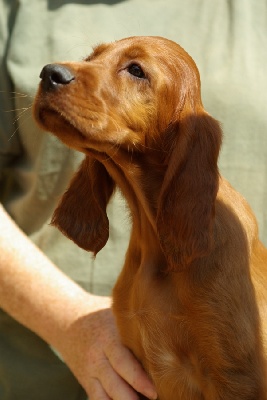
[{"x": 131, "y": 177}]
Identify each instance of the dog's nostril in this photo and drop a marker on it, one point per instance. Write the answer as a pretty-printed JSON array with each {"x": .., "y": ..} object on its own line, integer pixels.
[{"x": 53, "y": 75}]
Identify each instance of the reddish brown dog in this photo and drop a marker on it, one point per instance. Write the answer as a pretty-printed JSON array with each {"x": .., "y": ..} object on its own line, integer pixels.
[{"x": 191, "y": 300}]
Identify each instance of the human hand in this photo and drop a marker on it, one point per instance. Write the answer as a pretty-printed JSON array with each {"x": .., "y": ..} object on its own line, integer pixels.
[{"x": 104, "y": 367}]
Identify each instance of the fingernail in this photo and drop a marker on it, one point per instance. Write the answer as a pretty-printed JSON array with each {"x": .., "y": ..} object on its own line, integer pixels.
[{"x": 152, "y": 394}]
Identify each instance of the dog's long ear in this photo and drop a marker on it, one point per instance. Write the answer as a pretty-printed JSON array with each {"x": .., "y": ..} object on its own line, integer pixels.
[
  {"x": 187, "y": 199},
  {"x": 81, "y": 214}
]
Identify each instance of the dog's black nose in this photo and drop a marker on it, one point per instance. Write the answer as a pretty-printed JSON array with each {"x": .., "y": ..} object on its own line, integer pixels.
[{"x": 54, "y": 75}]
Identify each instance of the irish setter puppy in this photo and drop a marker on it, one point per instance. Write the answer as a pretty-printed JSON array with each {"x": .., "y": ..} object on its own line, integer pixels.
[{"x": 191, "y": 300}]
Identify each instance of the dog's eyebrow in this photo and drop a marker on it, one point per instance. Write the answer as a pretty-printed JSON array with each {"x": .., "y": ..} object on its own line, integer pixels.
[
  {"x": 97, "y": 50},
  {"x": 135, "y": 52}
]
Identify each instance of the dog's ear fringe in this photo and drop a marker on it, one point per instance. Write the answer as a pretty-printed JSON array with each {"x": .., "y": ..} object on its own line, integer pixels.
[
  {"x": 81, "y": 213},
  {"x": 187, "y": 199}
]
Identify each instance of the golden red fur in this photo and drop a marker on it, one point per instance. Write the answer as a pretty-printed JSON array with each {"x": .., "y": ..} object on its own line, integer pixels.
[{"x": 191, "y": 300}]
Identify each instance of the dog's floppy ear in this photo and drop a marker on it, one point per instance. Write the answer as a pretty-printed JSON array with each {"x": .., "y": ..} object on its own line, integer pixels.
[
  {"x": 81, "y": 214},
  {"x": 187, "y": 198}
]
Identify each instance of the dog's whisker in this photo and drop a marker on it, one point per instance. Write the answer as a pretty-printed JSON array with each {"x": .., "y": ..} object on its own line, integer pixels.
[
  {"x": 17, "y": 95},
  {"x": 21, "y": 112},
  {"x": 23, "y": 122},
  {"x": 22, "y": 109}
]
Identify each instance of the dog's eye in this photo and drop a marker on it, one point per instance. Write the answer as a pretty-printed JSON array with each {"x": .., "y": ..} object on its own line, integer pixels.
[{"x": 136, "y": 70}]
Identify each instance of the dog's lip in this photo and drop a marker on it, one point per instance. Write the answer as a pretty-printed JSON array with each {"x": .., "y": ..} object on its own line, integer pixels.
[
  {"x": 80, "y": 142},
  {"x": 44, "y": 113}
]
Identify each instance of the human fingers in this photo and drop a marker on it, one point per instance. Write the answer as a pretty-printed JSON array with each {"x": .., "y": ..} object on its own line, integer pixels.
[
  {"x": 130, "y": 370},
  {"x": 96, "y": 390},
  {"x": 107, "y": 384}
]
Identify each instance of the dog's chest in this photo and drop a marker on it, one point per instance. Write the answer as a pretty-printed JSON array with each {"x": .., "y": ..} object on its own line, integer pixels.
[{"x": 159, "y": 337}]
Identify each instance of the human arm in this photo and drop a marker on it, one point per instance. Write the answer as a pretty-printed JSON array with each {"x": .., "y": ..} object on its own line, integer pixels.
[{"x": 78, "y": 325}]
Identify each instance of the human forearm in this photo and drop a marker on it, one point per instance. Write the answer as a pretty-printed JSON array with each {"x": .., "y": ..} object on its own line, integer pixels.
[
  {"x": 32, "y": 289},
  {"x": 79, "y": 325}
]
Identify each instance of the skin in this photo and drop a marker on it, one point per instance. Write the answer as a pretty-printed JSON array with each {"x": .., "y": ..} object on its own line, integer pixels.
[{"x": 79, "y": 325}]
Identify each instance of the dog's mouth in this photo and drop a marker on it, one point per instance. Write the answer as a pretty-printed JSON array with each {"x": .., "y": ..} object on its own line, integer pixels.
[
  {"x": 56, "y": 122},
  {"x": 80, "y": 132}
]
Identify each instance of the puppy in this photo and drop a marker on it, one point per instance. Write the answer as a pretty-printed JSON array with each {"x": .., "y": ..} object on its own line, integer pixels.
[{"x": 191, "y": 299}]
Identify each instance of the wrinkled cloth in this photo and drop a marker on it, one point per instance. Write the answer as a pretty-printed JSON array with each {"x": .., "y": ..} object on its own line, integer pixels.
[{"x": 228, "y": 41}]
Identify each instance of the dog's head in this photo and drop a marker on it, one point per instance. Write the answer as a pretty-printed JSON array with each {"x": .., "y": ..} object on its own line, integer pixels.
[
  {"x": 139, "y": 95},
  {"x": 125, "y": 93}
]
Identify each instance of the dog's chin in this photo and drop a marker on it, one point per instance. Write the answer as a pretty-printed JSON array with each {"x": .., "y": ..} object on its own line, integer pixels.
[
  {"x": 52, "y": 121},
  {"x": 89, "y": 143}
]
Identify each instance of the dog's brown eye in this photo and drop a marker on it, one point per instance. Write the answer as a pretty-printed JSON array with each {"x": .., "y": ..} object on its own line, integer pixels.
[{"x": 136, "y": 70}]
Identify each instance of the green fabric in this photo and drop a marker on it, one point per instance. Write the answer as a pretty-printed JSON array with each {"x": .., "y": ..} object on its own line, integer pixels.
[
  {"x": 29, "y": 369},
  {"x": 227, "y": 39}
]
